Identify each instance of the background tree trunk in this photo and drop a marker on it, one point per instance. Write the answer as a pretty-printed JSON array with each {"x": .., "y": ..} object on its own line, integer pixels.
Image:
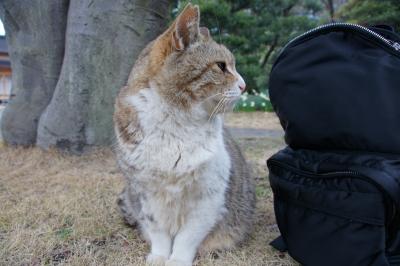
[
  {"x": 330, "y": 7},
  {"x": 35, "y": 35},
  {"x": 102, "y": 42}
]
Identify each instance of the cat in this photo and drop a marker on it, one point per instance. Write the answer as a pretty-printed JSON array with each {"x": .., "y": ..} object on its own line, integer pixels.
[{"x": 188, "y": 187}]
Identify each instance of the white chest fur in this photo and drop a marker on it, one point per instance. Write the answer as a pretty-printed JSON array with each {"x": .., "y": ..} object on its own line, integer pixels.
[
  {"x": 177, "y": 143},
  {"x": 181, "y": 154}
]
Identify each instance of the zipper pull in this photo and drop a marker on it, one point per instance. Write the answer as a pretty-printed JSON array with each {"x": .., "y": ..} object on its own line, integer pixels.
[{"x": 395, "y": 45}]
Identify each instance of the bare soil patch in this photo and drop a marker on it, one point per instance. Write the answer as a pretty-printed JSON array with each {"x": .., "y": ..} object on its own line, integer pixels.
[{"x": 259, "y": 120}]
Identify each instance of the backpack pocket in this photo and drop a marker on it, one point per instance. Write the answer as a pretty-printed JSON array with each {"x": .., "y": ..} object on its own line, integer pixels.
[{"x": 329, "y": 218}]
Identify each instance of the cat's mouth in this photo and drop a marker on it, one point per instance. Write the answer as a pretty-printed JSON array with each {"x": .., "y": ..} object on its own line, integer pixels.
[
  {"x": 226, "y": 101},
  {"x": 223, "y": 102}
]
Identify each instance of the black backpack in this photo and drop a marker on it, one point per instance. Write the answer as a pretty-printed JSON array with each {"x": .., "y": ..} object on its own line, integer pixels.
[{"x": 336, "y": 91}]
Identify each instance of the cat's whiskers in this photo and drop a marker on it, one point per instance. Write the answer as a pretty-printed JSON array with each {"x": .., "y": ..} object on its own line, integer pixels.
[
  {"x": 235, "y": 107},
  {"x": 212, "y": 96},
  {"x": 228, "y": 101},
  {"x": 229, "y": 95},
  {"x": 215, "y": 109},
  {"x": 222, "y": 109},
  {"x": 214, "y": 112},
  {"x": 223, "y": 105}
]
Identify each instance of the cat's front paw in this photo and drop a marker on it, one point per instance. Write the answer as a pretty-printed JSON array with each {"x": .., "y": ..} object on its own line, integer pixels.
[
  {"x": 155, "y": 260},
  {"x": 177, "y": 263}
]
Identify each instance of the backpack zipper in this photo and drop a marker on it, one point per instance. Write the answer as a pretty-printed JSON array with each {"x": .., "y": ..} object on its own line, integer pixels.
[
  {"x": 312, "y": 175},
  {"x": 395, "y": 46}
]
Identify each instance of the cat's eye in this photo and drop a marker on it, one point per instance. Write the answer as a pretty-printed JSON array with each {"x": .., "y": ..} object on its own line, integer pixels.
[{"x": 222, "y": 66}]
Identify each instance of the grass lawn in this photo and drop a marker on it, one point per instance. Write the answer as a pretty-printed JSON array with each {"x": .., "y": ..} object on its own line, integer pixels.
[{"x": 61, "y": 209}]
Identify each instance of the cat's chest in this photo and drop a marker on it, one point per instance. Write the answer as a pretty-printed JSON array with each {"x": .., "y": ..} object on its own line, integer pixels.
[{"x": 175, "y": 142}]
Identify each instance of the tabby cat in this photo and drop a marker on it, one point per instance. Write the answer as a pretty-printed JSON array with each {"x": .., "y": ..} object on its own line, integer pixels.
[{"x": 188, "y": 186}]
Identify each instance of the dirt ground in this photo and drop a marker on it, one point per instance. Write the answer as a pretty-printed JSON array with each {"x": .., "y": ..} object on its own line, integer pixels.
[
  {"x": 259, "y": 120},
  {"x": 57, "y": 209}
]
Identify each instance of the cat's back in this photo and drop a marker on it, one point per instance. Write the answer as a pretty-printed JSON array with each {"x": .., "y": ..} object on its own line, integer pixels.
[{"x": 241, "y": 194}]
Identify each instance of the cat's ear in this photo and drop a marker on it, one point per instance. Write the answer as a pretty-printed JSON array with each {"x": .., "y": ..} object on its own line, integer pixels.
[
  {"x": 186, "y": 30},
  {"x": 205, "y": 33}
]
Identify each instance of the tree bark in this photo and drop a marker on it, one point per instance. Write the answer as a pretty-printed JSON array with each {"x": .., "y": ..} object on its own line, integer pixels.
[
  {"x": 35, "y": 31},
  {"x": 102, "y": 42}
]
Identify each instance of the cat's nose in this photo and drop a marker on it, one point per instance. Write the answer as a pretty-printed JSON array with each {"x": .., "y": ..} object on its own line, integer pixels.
[{"x": 241, "y": 84}]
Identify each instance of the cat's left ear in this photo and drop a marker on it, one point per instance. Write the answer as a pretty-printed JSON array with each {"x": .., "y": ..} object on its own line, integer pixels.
[{"x": 186, "y": 30}]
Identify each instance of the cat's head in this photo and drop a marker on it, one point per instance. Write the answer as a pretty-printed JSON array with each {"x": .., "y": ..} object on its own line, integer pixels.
[{"x": 191, "y": 69}]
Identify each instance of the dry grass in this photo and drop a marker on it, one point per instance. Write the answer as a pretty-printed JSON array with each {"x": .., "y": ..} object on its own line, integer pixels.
[{"x": 60, "y": 209}]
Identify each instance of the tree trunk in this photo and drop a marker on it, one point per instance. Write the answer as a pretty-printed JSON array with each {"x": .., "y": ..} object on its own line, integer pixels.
[
  {"x": 330, "y": 7},
  {"x": 103, "y": 40},
  {"x": 35, "y": 31}
]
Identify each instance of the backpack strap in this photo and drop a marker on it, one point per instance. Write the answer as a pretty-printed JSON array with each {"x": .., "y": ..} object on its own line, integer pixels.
[
  {"x": 394, "y": 260},
  {"x": 391, "y": 185},
  {"x": 385, "y": 181}
]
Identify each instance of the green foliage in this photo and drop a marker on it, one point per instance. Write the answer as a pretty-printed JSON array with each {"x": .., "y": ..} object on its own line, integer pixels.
[
  {"x": 64, "y": 233},
  {"x": 371, "y": 12},
  {"x": 256, "y": 102},
  {"x": 261, "y": 191},
  {"x": 66, "y": 230}
]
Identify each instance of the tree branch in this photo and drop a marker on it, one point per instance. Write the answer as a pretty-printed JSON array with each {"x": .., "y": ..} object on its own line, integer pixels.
[{"x": 270, "y": 51}]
